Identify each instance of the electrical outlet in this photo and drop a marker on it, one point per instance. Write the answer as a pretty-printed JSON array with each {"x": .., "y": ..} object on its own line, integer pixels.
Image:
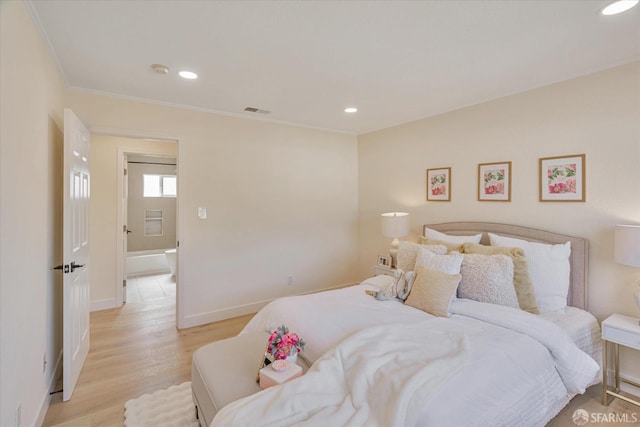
[
  {"x": 19, "y": 415},
  {"x": 290, "y": 280}
]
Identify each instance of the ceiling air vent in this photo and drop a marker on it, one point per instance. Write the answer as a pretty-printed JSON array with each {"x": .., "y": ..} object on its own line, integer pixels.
[{"x": 256, "y": 110}]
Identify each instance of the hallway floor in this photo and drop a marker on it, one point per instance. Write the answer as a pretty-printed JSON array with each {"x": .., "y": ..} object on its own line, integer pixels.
[{"x": 147, "y": 288}]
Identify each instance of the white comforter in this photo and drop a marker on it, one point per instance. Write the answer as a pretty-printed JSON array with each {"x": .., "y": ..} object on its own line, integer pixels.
[
  {"x": 376, "y": 377},
  {"x": 522, "y": 369}
]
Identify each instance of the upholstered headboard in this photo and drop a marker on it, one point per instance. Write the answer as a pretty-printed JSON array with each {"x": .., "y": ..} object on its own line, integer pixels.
[{"x": 579, "y": 259}]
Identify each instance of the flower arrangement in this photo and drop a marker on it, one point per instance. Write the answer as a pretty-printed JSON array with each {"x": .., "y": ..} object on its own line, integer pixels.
[{"x": 282, "y": 343}]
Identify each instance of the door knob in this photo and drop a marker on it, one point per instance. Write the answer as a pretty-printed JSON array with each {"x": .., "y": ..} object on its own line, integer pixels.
[
  {"x": 129, "y": 231},
  {"x": 74, "y": 266},
  {"x": 63, "y": 267}
]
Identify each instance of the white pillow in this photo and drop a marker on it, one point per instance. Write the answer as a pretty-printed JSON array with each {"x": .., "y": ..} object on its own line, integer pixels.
[
  {"x": 488, "y": 278},
  {"x": 449, "y": 264},
  {"x": 408, "y": 251},
  {"x": 549, "y": 269},
  {"x": 436, "y": 235}
]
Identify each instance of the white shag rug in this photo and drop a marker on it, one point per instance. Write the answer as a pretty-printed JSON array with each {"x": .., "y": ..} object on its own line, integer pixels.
[{"x": 171, "y": 407}]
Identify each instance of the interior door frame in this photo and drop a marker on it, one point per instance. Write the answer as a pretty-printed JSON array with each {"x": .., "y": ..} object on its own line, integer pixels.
[
  {"x": 121, "y": 273},
  {"x": 134, "y": 134}
]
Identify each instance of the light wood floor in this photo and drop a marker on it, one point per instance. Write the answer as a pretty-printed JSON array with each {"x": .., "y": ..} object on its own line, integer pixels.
[{"x": 137, "y": 349}]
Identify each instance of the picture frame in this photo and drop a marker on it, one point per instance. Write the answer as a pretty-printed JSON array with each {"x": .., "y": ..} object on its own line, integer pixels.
[
  {"x": 439, "y": 184},
  {"x": 384, "y": 261},
  {"x": 563, "y": 178},
  {"x": 494, "y": 182}
]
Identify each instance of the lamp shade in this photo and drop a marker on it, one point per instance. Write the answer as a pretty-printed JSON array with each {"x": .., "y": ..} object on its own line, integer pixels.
[
  {"x": 395, "y": 224},
  {"x": 627, "y": 245}
]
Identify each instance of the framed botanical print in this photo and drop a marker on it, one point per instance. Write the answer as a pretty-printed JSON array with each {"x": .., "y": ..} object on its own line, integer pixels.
[
  {"x": 439, "y": 184},
  {"x": 563, "y": 179},
  {"x": 494, "y": 182}
]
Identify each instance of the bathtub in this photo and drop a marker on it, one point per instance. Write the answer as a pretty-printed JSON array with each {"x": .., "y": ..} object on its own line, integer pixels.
[{"x": 147, "y": 262}]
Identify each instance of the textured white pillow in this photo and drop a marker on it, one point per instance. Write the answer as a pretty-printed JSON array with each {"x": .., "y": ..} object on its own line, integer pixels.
[
  {"x": 449, "y": 264},
  {"x": 436, "y": 235},
  {"x": 408, "y": 251},
  {"x": 488, "y": 278},
  {"x": 549, "y": 269}
]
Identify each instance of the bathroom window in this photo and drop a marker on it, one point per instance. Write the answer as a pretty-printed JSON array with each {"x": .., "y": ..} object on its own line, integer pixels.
[
  {"x": 159, "y": 185},
  {"x": 153, "y": 222}
]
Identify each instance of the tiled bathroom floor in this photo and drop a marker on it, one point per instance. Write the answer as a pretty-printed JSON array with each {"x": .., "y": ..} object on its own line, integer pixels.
[{"x": 146, "y": 288}]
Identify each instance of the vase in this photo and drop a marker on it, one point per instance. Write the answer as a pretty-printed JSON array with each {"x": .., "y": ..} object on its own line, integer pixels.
[{"x": 293, "y": 356}]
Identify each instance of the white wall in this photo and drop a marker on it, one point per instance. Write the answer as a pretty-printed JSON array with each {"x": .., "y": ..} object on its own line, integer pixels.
[
  {"x": 30, "y": 217},
  {"x": 598, "y": 115},
  {"x": 281, "y": 200},
  {"x": 103, "y": 211}
]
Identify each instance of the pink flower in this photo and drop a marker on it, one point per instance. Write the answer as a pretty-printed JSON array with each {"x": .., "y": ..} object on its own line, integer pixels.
[
  {"x": 282, "y": 343},
  {"x": 557, "y": 188}
]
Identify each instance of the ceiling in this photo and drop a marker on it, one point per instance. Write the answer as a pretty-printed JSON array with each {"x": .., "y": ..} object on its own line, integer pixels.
[{"x": 305, "y": 61}]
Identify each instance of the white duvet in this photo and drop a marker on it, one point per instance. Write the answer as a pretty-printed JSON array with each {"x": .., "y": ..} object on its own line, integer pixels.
[
  {"x": 376, "y": 377},
  {"x": 521, "y": 369}
]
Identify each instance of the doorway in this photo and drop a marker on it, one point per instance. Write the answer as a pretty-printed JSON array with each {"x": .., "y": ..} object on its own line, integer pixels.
[
  {"x": 150, "y": 218},
  {"x": 142, "y": 151}
]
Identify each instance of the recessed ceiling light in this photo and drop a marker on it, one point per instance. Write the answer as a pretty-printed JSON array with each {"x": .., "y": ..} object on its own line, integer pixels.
[
  {"x": 618, "y": 7},
  {"x": 350, "y": 110},
  {"x": 190, "y": 75}
]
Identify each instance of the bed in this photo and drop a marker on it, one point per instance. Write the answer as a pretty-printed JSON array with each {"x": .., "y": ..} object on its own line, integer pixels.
[{"x": 382, "y": 362}]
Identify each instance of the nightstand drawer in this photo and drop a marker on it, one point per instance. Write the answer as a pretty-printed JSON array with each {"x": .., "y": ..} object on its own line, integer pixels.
[{"x": 619, "y": 336}]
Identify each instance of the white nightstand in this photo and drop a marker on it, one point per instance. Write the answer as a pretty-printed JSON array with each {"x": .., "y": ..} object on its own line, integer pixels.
[
  {"x": 380, "y": 270},
  {"x": 618, "y": 330}
]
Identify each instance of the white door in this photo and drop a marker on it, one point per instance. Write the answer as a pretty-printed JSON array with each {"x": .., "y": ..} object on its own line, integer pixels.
[{"x": 75, "y": 251}]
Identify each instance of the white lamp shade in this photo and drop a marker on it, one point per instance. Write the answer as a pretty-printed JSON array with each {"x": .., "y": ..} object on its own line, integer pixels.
[
  {"x": 395, "y": 224},
  {"x": 627, "y": 245}
]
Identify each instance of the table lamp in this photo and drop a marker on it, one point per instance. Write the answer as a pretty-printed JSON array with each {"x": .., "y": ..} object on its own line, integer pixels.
[
  {"x": 394, "y": 225},
  {"x": 627, "y": 249}
]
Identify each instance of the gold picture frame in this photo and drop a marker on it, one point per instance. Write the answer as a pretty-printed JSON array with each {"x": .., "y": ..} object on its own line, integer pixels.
[
  {"x": 494, "y": 182},
  {"x": 439, "y": 184},
  {"x": 563, "y": 178}
]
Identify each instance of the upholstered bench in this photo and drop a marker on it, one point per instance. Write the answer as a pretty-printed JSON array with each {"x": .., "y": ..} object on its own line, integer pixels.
[{"x": 225, "y": 371}]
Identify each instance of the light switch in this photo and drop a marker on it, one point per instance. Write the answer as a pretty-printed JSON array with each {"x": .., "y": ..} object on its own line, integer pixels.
[{"x": 202, "y": 213}]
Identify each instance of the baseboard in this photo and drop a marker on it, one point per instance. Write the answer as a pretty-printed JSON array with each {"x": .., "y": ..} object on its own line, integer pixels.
[
  {"x": 221, "y": 314},
  {"x": 102, "y": 304},
  {"x": 239, "y": 310},
  {"x": 44, "y": 406}
]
